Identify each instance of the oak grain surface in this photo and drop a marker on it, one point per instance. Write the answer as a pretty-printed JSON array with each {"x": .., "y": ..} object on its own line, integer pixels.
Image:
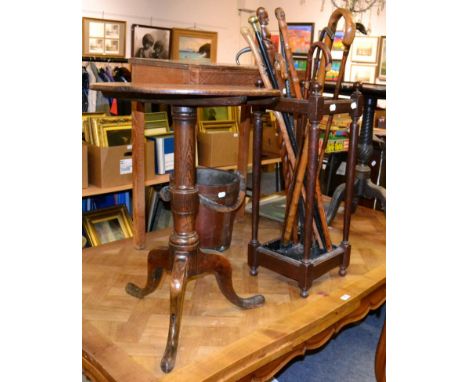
[{"x": 126, "y": 337}]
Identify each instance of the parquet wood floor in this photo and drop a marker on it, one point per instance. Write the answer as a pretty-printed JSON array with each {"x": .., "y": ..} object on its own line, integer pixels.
[{"x": 124, "y": 338}]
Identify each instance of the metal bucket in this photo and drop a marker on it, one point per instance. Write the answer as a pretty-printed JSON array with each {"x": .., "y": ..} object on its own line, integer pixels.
[{"x": 221, "y": 193}]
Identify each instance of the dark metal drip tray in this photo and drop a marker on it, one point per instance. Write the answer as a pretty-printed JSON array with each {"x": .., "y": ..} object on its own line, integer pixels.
[{"x": 294, "y": 251}]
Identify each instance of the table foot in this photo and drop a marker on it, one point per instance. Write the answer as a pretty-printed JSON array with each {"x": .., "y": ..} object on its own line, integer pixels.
[
  {"x": 178, "y": 284},
  {"x": 157, "y": 262},
  {"x": 220, "y": 266}
]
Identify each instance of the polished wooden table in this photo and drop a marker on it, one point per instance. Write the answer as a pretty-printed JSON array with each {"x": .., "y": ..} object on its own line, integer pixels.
[
  {"x": 182, "y": 257},
  {"x": 123, "y": 337}
]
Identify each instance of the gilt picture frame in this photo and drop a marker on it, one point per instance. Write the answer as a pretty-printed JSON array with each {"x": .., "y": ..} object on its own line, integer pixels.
[
  {"x": 107, "y": 225},
  {"x": 103, "y": 37},
  {"x": 194, "y": 46}
]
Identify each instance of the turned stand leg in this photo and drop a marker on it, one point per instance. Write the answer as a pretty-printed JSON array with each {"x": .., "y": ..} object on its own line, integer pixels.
[{"x": 256, "y": 179}]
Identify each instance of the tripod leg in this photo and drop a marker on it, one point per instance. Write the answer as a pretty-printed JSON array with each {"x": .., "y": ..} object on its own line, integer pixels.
[
  {"x": 178, "y": 284},
  {"x": 220, "y": 266},
  {"x": 157, "y": 262}
]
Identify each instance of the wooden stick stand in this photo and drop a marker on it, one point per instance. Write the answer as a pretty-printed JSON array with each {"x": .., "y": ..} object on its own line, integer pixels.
[
  {"x": 307, "y": 264},
  {"x": 183, "y": 258}
]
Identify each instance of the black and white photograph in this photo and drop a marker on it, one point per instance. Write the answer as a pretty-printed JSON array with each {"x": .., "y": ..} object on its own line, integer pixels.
[{"x": 151, "y": 42}]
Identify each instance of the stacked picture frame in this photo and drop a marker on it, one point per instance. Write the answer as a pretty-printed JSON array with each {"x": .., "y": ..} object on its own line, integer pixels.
[{"x": 368, "y": 59}]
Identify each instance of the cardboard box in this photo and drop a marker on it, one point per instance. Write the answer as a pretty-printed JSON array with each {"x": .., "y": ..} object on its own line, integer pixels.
[
  {"x": 270, "y": 143},
  {"x": 112, "y": 166},
  {"x": 220, "y": 148},
  {"x": 84, "y": 165}
]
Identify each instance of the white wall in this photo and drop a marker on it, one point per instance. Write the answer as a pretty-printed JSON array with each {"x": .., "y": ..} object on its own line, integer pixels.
[{"x": 214, "y": 15}]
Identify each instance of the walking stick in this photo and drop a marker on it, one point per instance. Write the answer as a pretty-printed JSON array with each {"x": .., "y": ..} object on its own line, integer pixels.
[
  {"x": 300, "y": 169},
  {"x": 268, "y": 85},
  {"x": 319, "y": 211},
  {"x": 348, "y": 38},
  {"x": 298, "y": 177}
]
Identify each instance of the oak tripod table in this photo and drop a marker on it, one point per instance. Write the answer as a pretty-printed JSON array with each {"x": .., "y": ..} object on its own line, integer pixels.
[{"x": 182, "y": 257}]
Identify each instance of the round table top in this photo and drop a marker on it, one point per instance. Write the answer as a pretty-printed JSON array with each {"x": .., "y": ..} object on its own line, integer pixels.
[{"x": 129, "y": 90}]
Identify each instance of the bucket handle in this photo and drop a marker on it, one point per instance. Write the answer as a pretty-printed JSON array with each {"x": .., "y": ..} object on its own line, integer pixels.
[{"x": 221, "y": 208}]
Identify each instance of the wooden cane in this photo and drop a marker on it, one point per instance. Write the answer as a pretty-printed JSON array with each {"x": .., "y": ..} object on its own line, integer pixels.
[
  {"x": 300, "y": 170},
  {"x": 348, "y": 38},
  {"x": 279, "y": 116},
  {"x": 291, "y": 202}
]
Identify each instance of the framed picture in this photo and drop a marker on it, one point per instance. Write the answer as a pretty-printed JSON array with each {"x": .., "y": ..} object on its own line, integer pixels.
[
  {"x": 116, "y": 135},
  {"x": 300, "y": 37},
  {"x": 275, "y": 39},
  {"x": 337, "y": 46},
  {"x": 213, "y": 126},
  {"x": 365, "y": 49},
  {"x": 107, "y": 225},
  {"x": 217, "y": 113},
  {"x": 156, "y": 123},
  {"x": 300, "y": 63},
  {"x": 151, "y": 42},
  {"x": 103, "y": 38},
  {"x": 194, "y": 46},
  {"x": 111, "y": 131},
  {"x": 382, "y": 70},
  {"x": 86, "y": 124},
  {"x": 218, "y": 118},
  {"x": 332, "y": 74},
  {"x": 363, "y": 73}
]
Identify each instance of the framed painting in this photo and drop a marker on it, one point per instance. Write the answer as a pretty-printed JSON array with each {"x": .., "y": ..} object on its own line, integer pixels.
[
  {"x": 300, "y": 37},
  {"x": 194, "y": 46},
  {"x": 300, "y": 63},
  {"x": 105, "y": 128},
  {"x": 275, "y": 39},
  {"x": 156, "y": 123},
  {"x": 382, "y": 70},
  {"x": 107, "y": 225},
  {"x": 332, "y": 74},
  {"x": 337, "y": 46},
  {"x": 151, "y": 42},
  {"x": 363, "y": 73},
  {"x": 103, "y": 38},
  {"x": 218, "y": 118},
  {"x": 365, "y": 49},
  {"x": 116, "y": 135}
]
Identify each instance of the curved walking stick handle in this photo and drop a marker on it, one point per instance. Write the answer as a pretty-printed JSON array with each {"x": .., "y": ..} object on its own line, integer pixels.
[
  {"x": 326, "y": 54},
  {"x": 350, "y": 26},
  {"x": 348, "y": 37}
]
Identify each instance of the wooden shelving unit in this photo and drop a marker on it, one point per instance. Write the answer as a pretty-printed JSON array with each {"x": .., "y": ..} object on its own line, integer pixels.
[{"x": 159, "y": 179}]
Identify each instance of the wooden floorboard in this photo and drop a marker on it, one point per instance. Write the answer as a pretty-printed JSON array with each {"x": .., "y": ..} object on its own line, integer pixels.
[{"x": 218, "y": 341}]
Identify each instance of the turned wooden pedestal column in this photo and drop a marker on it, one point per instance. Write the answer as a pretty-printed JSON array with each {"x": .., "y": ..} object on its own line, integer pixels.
[{"x": 183, "y": 258}]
